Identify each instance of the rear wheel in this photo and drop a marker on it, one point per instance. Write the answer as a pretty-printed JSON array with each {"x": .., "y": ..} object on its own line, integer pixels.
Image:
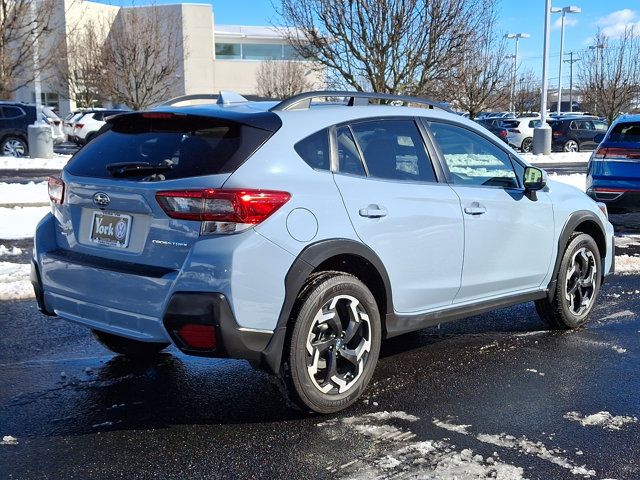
[
  {"x": 127, "y": 347},
  {"x": 577, "y": 287},
  {"x": 13, "y": 147},
  {"x": 571, "y": 146},
  {"x": 527, "y": 145},
  {"x": 334, "y": 344}
]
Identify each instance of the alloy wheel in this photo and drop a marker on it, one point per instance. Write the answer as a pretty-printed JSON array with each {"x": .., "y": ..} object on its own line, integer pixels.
[
  {"x": 581, "y": 281},
  {"x": 13, "y": 148},
  {"x": 338, "y": 345},
  {"x": 571, "y": 146},
  {"x": 527, "y": 143}
]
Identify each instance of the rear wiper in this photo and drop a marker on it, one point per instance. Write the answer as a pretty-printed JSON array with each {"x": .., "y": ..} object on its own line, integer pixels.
[{"x": 135, "y": 169}]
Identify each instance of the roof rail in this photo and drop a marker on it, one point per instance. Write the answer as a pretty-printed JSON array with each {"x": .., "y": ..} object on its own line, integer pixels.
[
  {"x": 302, "y": 101},
  {"x": 225, "y": 97}
]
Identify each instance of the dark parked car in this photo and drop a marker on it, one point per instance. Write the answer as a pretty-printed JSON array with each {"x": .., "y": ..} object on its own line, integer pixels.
[
  {"x": 494, "y": 125},
  {"x": 575, "y": 133},
  {"x": 15, "y": 117},
  {"x": 613, "y": 174}
]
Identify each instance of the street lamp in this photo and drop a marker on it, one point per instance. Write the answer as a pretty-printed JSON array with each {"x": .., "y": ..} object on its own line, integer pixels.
[
  {"x": 517, "y": 37},
  {"x": 542, "y": 133},
  {"x": 564, "y": 11}
]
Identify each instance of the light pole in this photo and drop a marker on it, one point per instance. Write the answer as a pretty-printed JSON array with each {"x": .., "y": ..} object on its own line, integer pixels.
[
  {"x": 597, "y": 47},
  {"x": 571, "y": 61},
  {"x": 542, "y": 133},
  {"x": 564, "y": 11},
  {"x": 517, "y": 37}
]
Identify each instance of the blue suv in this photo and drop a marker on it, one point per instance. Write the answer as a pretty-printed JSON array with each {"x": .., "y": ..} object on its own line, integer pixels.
[
  {"x": 613, "y": 172},
  {"x": 298, "y": 235}
]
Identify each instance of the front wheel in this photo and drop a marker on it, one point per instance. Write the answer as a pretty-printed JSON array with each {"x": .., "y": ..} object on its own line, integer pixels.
[
  {"x": 127, "y": 347},
  {"x": 334, "y": 343},
  {"x": 577, "y": 286}
]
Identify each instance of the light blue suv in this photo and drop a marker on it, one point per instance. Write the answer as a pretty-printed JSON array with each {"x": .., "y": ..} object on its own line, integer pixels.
[{"x": 299, "y": 235}]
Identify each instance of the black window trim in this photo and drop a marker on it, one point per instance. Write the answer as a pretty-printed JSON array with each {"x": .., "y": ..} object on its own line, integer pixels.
[
  {"x": 321, "y": 170},
  {"x": 438, "y": 174},
  {"x": 443, "y": 164}
]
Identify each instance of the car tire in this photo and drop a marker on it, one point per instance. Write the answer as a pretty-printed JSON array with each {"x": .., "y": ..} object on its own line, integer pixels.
[
  {"x": 14, "y": 146},
  {"x": 129, "y": 348},
  {"x": 527, "y": 145},
  {"x": 333, "y": 344},
  {"x": 571, "y": 146},
  {"x": 577, "y": 286}
]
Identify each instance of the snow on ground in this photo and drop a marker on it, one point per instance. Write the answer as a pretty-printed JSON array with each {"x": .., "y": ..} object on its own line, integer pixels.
[
  {"x": 393, "y": 454},
  {"x": 9, "y": 440},
  {"x": 55, "y": 163},
  {"x": 627, "y": 264},
  {"x": 557, "y": 157},
  {"x": 14, "y": 193},
  {"x": 20, "y": 222},
  {"x": 9, "y": 252},
  {"x": 522, "y": 445},
  {"x": 14, "y": 281},
  {"x": 601, "y": 419},
  {"x": 578, "y": 180}
]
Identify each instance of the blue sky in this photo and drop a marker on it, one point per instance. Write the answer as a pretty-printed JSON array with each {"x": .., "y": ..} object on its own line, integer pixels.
[{"x": 514, "y": 16}]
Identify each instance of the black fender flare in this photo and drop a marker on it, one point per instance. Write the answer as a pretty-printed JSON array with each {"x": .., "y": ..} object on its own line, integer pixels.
[
  {"x": 575, "y": 219},
  {"x": 307, "y": 261}
]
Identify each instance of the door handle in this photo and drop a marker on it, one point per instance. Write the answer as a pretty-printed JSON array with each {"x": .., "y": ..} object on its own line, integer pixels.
[
  {"x": 475, "y": 209},
  {"x": 373, "y": 211}
]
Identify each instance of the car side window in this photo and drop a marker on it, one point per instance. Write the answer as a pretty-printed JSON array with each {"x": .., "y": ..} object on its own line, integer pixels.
[
  {"x": 394, "y": 150},
  {"x": 601, "y": 126},
  {"x": 11, "y": 112},
  {"x": 314, "y": 150},
  {"x": 471, "y": 159},
  {"x": 572, "y": 126},
  {"x": 532, "y": 123},
  {"x": 585, "y": 125},
  {"x": 349, "y": 160}
]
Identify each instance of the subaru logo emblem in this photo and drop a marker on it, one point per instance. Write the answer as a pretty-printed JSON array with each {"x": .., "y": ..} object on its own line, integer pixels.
[{"x": 101, "y": 199}]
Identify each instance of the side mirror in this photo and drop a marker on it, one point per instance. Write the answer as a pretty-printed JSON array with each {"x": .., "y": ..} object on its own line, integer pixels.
[
  {"x": 599, "y": 138},
  {"x": 534, "y": 179}
]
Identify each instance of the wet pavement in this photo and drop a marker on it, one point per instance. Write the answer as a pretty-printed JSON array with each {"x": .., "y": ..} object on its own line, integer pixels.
[{"x": 496, "y": 385}]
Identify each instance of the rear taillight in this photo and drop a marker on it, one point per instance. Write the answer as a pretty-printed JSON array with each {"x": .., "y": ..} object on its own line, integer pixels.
[
  {"x": 79, "y": 125},
  {"x": 613, "y": 153},
  {"x": 558, "y": 133},
  {"x": 222, "y": 210},
  {"x": 56, "y": 122},
  {"x": 198, "y": 337},
  {"x": 600, "y": 153},
  {"x": 503, "y": 134},
  {"x": 56, "y": 189}
]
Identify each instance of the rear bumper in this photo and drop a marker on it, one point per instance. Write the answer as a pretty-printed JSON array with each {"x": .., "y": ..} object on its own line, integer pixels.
[{"x": 618, "y": 202}]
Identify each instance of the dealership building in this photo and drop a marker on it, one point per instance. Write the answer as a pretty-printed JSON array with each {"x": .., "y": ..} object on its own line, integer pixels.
[{"x": 212, "y": 57}]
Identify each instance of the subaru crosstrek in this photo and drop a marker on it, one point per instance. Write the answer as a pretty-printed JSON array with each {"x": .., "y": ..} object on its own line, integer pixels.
[{"x": 299, "y": 235}]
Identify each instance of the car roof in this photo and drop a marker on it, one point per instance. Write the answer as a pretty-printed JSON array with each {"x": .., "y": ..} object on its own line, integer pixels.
[{"x": 627, "y": 118}]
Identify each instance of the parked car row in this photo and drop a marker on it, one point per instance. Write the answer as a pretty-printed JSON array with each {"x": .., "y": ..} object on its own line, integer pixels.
[
  {"x": 15, "y": 117},
  {"x": 82, "y": 126}
]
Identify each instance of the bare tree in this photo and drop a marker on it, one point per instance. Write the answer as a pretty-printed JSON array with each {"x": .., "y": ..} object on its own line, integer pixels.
[
  {"x": 527, "y": 96},
  {"x": 141, "y": 56},
  {"x": 20, "y": 22},
  {"x": 393, "y": 46},
  {"x": 610, "y": 76},
  {"x": 282, "y": 79},
  {"x": 478, "y": 81},
  {"x": 80, "y": 73}
]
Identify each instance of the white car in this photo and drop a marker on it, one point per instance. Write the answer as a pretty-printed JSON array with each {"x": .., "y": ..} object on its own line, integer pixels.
[
  {"x": 86, "y": 127},
  {"x": 55, "y": 122},
  {"x": 69, "y": 122},
  {"x": 520, "y": 132}
]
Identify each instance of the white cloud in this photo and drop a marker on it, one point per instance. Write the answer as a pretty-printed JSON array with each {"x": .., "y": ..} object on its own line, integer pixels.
[
  {"x": 614, "y": 24},
  {"x": 569, "y": 21}
]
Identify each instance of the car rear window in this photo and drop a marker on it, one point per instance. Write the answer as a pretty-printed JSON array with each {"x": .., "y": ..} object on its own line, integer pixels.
[
  {"x": 178, "y": 147},
  {"x": 625, "y": 132}
]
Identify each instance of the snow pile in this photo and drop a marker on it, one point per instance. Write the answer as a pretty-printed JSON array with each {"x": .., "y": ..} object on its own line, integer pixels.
[
  {"x": 391, "y": 457},
  {"x": 9, "y": 252},
  {"x": 601, "y": 419},
  {"x": 627, "y": 264},
  {"x": 523, "y": 445},
  {"x": 557, "y": 157},
  {"x": 578, "y": 180},
  {"x": 14, "y": 281},
  {"x": 9, "y": 440},
  {"x": 13, "y": 163},
  {"x": 14, "y": 193},
  {"x": 626, "y": 241},
  {"x": 20, "y": 222}
]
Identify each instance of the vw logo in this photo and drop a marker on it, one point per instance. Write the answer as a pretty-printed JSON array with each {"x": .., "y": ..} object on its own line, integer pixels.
[{"x": 101, "y": 199}]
